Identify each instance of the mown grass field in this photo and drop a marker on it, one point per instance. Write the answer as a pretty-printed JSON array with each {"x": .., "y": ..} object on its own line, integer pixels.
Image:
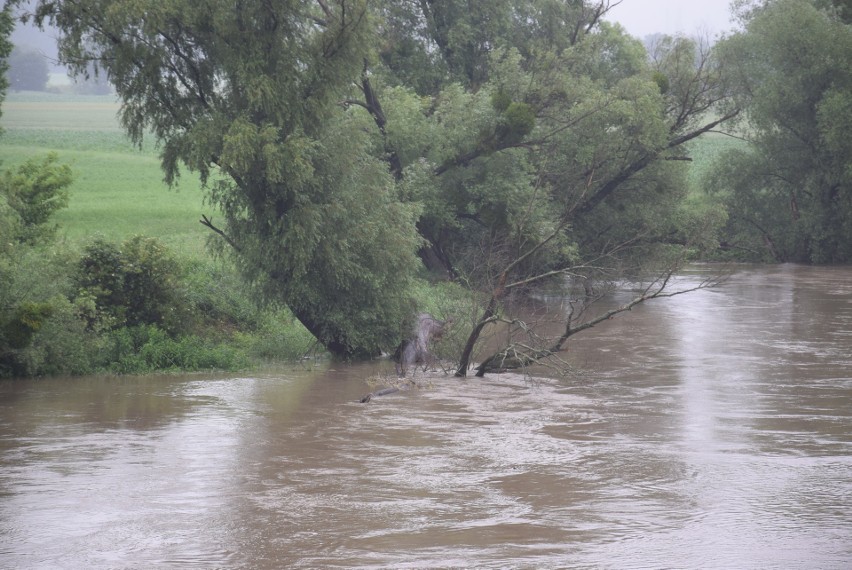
[{"x": 118, "y": 189}]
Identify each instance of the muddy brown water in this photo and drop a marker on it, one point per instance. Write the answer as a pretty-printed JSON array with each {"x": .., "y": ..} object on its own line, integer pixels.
[{"x": 712, "y": 430}]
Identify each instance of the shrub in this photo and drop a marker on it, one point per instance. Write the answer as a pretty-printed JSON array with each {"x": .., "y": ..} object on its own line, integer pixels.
[
  {"x": 62, "y": 345},
  {"x": 219, "y": 298},
  {"x": 135, "y": 284},
  {"x": 35, "y": 314},
  {"x": 133, "y": 309}
]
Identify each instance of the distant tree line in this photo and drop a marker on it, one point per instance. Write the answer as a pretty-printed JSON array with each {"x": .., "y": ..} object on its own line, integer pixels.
[{"x": 28, "y": 71}]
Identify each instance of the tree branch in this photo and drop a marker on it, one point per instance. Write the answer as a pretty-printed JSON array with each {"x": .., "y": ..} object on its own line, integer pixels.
[
  {"x": 636, "y": 166},
  {"x": 205, "y": 221},
  {"x": 511, "y": 357}
]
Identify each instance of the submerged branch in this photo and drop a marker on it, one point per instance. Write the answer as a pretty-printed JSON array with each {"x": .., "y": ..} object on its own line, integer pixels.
[{"x": 518, "y": 355}]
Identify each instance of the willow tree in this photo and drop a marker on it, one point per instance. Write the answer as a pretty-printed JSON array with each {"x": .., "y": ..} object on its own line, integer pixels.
[
  {"x": 508, "y": 143},
  {"x": 246, "y": 94},
  {"x": 790, "y": 189},
  {"x": 541, "y": 141}
]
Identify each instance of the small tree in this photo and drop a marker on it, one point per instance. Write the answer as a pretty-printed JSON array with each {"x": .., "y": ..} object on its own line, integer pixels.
[
  {"x": 34, "y": 192},
  {"x": 29, "y": 287},
  {"x": 131, "y": 284}
]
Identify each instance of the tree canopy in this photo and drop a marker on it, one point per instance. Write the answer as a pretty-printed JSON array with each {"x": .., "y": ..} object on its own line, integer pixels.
[
  {"x": 7, "y": 24},
  {"x": 791, "y": 190},
  {"x": 504, "y": 143}
]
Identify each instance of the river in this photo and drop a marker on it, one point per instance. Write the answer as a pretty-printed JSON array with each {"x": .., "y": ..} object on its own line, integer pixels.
[{"x": 709, "y": 430}]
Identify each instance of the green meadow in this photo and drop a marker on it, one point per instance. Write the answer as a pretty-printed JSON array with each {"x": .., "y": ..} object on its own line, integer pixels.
[
  {"x": 705, "y": 151},
  {"x": 118, "y": 193},
  {"x": 118, "y": 189}
]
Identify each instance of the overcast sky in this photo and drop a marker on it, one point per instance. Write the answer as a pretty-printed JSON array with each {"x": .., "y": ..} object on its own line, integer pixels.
[
  {"x": 645, "y": 17},
  {"x": 639, "y": 17}
]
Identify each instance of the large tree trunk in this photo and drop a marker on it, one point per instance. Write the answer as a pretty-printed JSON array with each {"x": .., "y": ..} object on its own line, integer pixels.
[{"x": 329, "y": 339}]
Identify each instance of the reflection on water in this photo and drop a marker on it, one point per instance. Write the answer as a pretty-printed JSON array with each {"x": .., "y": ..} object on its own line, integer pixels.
[{"x": 712, "y": 431}]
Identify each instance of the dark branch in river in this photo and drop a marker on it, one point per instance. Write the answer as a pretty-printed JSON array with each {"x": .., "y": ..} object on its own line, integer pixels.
[{"x": 519, "y": 355}]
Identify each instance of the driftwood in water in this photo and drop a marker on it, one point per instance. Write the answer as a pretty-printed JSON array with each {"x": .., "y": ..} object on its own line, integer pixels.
[
  {"x": 382, "y": 392},
  {"x": 399, "y": 386},
  {"x": 416, "y": 349}
]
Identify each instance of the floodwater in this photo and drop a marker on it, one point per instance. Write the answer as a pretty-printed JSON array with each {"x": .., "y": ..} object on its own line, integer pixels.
[{"x": 709, "y": 430}]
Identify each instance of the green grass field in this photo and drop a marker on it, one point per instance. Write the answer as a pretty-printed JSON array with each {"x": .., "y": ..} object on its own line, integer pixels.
[
  {"x": 118, "y": 189},
  {"x": 118, "y": 192},
  {"x": 705, "y": 151}
]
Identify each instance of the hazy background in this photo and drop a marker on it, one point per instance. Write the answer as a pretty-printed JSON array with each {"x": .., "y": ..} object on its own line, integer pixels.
[
  {"x": 690, "y": 17},
  {"x": 31, "y": 38},
  {"x": 640, "y": 18}
]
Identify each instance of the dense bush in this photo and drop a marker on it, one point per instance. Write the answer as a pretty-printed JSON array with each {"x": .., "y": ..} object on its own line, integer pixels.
[
  {"x": 40, "y": 328},
  {"x": 137, "y": 283},
  {"x": 61, "y": 346},
  {"x": 132, "y": 308}
]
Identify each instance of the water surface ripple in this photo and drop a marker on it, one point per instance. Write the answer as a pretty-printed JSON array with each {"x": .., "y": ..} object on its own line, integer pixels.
[{"x": 710, "y": 430}]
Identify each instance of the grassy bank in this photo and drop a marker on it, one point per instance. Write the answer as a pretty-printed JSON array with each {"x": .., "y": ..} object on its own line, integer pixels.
[{"x": 117, "y": 193}]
